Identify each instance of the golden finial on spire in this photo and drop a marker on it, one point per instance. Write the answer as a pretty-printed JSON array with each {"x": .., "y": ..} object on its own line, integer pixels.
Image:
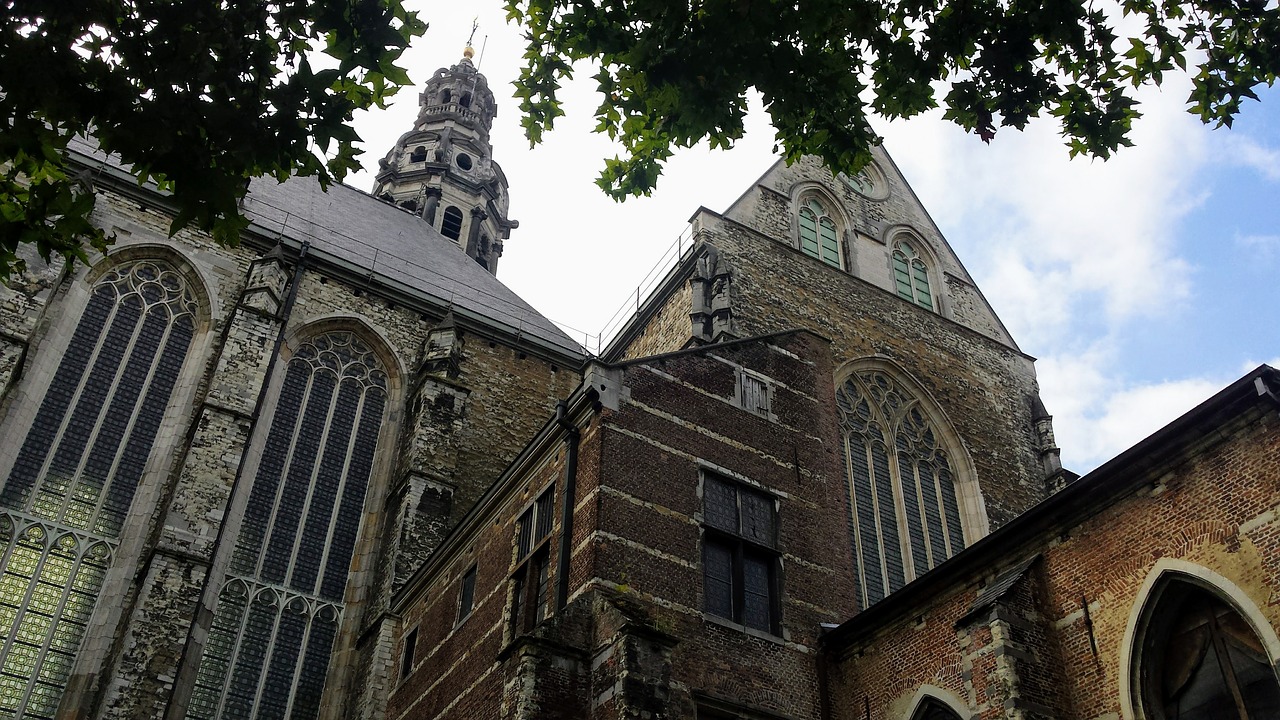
[{"x": 469, "y": 52}]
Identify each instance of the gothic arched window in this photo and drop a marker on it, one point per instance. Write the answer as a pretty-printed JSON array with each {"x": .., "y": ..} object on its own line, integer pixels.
[
  {"x": 1201, "y": 660},
  {"x": 75, "y": 475},
  {"x": 931, "y": 709},
  {"x": 278, "y": 613},
  {"x": 451, "y": 227},
  {"x": 906, "y": 518},
  {"x": 911, "y": 275},
  {"x": 818, "y": 234}
]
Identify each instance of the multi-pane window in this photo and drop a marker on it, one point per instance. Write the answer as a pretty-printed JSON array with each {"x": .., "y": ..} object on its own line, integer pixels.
[
  {"x": 467, "y": 594},
  {"x": 903, "y": 495},
  {"x": 739, "y": 553},
  {"x": 818, "y": 235},
  {"x": 911, "y": 275},
  {"x": 278, "y": 613},
  {"x": 530, "y": 591},
  {"x": 76, "y": 472}
]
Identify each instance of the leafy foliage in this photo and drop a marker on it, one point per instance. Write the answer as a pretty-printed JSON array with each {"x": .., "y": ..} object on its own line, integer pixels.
[
  {"x": 675, "y": 73},
  {"x": 197, "y": 95}
]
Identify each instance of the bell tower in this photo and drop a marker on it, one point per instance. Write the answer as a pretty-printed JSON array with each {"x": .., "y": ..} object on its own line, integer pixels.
[{"x": 443, "y": 170}]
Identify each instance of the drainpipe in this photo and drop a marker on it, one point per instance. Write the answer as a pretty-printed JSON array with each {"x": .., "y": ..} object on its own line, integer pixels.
[{"x": 566, "y": 504}]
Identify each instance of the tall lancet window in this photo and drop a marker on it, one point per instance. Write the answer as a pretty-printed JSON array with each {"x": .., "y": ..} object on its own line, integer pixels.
[
  {"x": 76, "y": 472},
  {"x": 818, "y": 234},
  {"x": 911, "y": 275},
  {"x": 906, "y": 518},
  {"x": 278, "y": 612}
]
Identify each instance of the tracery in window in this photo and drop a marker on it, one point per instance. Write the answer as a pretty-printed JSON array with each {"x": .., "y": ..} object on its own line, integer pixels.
[
  {"x": 74, "y": 478},
  {"x": 905, "y": 513},
  {"x": 911, "y": 274},
  {"x": 278, "y": 613},
  {"x": 1202, "y": 661},
  {"x": 818, "y": 234}
]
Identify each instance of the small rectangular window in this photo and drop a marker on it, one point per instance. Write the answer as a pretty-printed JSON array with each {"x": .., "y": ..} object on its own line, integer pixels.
[
  {"x": 739, "y": 553},
  {"x": 406, "y": 658},
  {"x": 467, "y": 594},
  {"x": 753, "y": 394}
]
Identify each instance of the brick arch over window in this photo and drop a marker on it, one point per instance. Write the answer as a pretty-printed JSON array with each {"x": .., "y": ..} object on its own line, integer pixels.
[
  {"x": 1198, "y": 646},
  {"x": 934, "y": 703},
  {"x": 81, "y": 461},
  {"x": 913, "y": 497},
  {"x": 281, "y": 606}
]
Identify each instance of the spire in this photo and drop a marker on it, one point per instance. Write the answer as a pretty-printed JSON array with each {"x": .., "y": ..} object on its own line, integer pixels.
[{"x": 442, "y": 170}]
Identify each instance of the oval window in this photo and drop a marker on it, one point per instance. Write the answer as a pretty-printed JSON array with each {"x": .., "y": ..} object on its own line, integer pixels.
[{"x": 463, "y": 160}]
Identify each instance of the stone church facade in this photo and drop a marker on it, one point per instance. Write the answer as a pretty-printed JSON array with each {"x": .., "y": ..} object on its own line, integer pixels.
[{"x": 342, "y": 471}]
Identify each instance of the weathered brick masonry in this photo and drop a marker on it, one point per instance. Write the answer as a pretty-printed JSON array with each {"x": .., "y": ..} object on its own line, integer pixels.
[{"x": 1040, "y": 620}]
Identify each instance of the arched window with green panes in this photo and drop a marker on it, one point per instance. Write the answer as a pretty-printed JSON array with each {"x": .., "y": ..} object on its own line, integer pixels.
[
  {"x": 819, "y": 236},
  {"x": 67, "y": 498},
  {"x": 911, "y": 274}
]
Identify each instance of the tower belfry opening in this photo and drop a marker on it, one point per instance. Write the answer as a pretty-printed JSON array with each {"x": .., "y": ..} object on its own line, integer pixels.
[{"x": 445, "y": 162}]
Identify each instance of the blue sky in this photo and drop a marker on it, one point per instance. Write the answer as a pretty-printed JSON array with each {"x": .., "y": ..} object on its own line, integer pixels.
[{"x": 1142, "y": 284}]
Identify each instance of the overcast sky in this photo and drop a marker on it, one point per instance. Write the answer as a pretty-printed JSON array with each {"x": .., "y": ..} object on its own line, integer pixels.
[{"x": 1142, "y": 284}]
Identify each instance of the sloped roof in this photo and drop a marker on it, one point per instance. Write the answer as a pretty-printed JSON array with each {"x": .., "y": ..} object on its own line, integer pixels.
[{"x": 351, "y": 228}]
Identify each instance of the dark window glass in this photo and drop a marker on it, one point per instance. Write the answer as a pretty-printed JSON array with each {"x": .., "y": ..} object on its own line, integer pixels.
[
  {"x": 1203, "y": 661},
  {"x": 451, "y": 227},
  {"x": 410, "y": 647},
  {"x": 467, "y": 593},
  {"x": 530, "y": 581},
  {"x": 277, "y": 615},
  {"x": 739, "y": 556}
]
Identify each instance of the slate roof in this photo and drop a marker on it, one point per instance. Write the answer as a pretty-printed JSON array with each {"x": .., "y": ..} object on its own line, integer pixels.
[{"x": 351, "y": 228}]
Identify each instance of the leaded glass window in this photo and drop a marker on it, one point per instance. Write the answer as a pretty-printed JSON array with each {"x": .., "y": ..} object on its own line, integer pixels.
[
  {"x": 905, "y": 513},
  {"x": 76, "y": 472},
  {"x": 911, "y": 275},
  {"x": 818, "y": 235},
  {"x": 278, "y": 613},
  {"x": 739, "y": 553}
]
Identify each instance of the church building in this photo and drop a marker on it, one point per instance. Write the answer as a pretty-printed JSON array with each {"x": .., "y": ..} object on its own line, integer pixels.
[{"x": 342, "y": 471}]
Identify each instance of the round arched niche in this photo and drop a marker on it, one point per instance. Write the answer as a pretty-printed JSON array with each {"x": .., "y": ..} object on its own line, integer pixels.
[{"x": 1200, "y": 650}]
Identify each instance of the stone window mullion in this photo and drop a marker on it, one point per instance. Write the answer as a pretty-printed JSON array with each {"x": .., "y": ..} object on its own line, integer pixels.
[
  {"x": 104, "y": 491},
  {"x": 283, "y": 477},
  {"x": 339, "y": 493},
  {"x": 73, "y": 403},
  {"x": 304, "y": 514}
]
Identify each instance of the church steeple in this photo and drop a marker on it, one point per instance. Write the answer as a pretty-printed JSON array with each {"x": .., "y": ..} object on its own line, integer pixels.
[{"x": 443, "y": 169}]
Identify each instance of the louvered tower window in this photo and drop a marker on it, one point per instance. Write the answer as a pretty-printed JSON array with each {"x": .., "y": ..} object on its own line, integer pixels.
[
  {"x": 451, "y": 226},
  {"x": 818, "y": 235},
  {"x": 911, "y": 275},
  {"x": 75, "y": 475},
  {"x": 278, "y": 613},
  {"x": 906, "y": 518}
]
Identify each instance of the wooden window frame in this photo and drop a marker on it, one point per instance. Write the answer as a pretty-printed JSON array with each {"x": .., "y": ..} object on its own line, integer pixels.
[{"x": 530, "y": 600}]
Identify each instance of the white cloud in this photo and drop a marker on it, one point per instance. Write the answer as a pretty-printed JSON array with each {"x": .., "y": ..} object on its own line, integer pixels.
[
  {"x": 1262, "y": 248},
  {"x": 1243, "y": 150}
]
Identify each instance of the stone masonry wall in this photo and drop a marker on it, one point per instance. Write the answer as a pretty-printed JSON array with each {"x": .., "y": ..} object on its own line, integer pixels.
[
  {"x": 1212, "y": 515},
  {"x": 984, "y": 387}
]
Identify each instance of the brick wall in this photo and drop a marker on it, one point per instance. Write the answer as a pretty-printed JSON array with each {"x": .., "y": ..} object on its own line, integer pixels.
[{"x": 1059, "y": 642}]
